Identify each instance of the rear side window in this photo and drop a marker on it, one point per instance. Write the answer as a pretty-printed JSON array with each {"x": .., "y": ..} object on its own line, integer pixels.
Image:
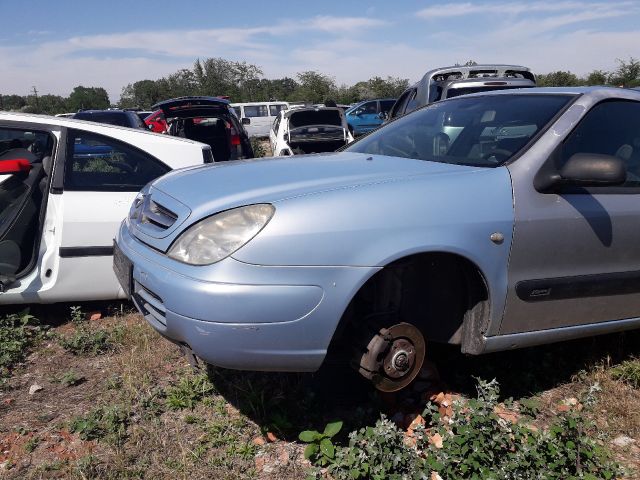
[
  {"x": 96, "y": 162},
  {"x": 251, "y": 111}
]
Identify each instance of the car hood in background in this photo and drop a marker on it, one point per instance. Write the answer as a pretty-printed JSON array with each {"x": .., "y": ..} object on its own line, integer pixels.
[
  {"x": 209, "y": 189},
  {"x": 188, "y": 107}
]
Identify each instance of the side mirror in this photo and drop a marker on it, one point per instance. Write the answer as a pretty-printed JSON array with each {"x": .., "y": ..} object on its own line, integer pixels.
[
  {"x": 246, "y": 121},
  {"x": 585, "y": 170},
  {"x": 150, "y": 127}
]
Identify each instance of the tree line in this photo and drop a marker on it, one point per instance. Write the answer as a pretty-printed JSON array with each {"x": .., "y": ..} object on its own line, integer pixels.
[{"x": 244, "y": 82}]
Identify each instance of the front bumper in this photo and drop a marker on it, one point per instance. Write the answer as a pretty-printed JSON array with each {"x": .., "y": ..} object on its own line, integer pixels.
[{"x": 243, "y": 316}]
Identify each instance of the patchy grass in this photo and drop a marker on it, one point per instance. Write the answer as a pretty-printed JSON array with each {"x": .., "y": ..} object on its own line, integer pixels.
[
  {"x": 137, "y": 410},
  {"x": 19, "y": 333}
]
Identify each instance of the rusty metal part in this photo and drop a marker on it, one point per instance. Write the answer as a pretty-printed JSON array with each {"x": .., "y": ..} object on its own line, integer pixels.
[{"x": 393, "y": 357}]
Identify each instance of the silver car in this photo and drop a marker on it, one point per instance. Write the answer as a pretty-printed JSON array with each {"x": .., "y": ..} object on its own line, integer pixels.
[{"x": 490, "y": 221}]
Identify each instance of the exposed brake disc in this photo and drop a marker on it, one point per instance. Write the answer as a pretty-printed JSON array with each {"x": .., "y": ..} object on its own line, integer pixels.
[{"x": 393, "y": 357}]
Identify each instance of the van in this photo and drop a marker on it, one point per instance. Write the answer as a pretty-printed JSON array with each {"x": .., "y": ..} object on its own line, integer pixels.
[{"x": 257, "y": 117}]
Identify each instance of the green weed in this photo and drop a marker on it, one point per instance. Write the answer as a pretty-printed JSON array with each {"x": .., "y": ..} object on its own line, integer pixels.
[
  {"x": 19, "y": 332},
  {"x": 189, "y": 391}
]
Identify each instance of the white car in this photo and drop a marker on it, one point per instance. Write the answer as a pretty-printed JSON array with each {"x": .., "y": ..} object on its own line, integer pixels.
[
  {"x": 65, "y": 186},
  {"x": 309, "y": 130},
  {"x": 257, "y": 117}
]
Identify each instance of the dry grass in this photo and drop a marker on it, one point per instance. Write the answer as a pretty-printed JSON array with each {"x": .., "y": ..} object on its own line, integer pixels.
[{"x": 224, "y": 434}]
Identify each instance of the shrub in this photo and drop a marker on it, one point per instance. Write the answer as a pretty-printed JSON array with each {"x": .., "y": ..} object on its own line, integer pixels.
[
  {"x": 477, "y": 443},
  {"x": 378, "y": 453}
]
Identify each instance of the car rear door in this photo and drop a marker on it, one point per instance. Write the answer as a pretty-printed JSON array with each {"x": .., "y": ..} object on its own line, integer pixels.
[
  {"x": 260, "y": 120},
  {"x": 575, "y": 255},
  {"x": 101, "y": 177}
]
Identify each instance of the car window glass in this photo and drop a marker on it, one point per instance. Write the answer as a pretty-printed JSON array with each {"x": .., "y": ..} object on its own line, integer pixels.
[
  {"x": 385, "y": 105},
  {"x": 483, "y": 131},
  {"x": 398, "y": 108},
  {"x": 96, "y": 162},
  {"x": 412, "y": 102},
  {"x": 275, "y": 109},
  {"x": 112, "y": 118},
  {"x": 21, "y": 143},
  {"x": 276, "y": 124},
  {"x": 610, "y": 128},
  {"x": 251, "y": 111},
  {"x": 238, "y": 111}
]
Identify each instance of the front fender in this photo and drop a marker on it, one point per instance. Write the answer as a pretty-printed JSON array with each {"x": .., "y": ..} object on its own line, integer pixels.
[{"x": 376, "y": 224}]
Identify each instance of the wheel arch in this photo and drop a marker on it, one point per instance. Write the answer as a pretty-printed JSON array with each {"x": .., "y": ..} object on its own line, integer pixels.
[{"x": 464, "y": 327}]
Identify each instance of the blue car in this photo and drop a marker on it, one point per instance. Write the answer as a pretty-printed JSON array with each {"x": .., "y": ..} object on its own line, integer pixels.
[
  {"x": 369, "y": 115},
  {"x": 489, "y": 221}
]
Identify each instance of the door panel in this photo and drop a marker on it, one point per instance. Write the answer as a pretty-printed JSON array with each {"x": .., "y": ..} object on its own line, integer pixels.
[{"x": 575, "y": 257}]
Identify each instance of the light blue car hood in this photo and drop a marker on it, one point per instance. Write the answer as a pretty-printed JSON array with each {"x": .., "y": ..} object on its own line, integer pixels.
[{"x": 211, "y": 188}]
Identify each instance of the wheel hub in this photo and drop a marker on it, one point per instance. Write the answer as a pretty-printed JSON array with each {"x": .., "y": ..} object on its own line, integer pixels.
[{"x": 393, "y": 357}]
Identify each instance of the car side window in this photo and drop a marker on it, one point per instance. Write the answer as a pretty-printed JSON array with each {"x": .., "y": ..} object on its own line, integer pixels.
[
  {"x": 251, "y": 111},
  {"x": 401, "y": 104},
  {"x": 276, "y": 124},
  {"x": 275, "y": 109},
  {"x": 610, "y": 128},
  {"x": 96, "y": 162},
  {"x": 385, "y": 105}
]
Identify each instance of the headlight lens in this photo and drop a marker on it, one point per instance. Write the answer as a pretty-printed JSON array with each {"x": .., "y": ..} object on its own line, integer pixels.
[{"x": 216, "y": 237}]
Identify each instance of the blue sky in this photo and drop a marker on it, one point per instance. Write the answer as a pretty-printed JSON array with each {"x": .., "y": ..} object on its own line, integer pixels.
[{"x": 110, "y": 43}]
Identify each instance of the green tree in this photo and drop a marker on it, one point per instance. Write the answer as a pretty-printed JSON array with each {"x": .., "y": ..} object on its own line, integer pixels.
[
  {"x": 313, "y": 87},
  {"x": 83, "y": 98},
  {"x": 12, "y": 102},
  {"x": 597, "y": 77},
  {"x": 558, "y": 79},
  {"x": 627, "y": 74},
  {"x": 143, "y": 94}
]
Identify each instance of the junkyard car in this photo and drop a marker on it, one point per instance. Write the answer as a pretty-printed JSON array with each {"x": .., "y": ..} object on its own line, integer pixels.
[
  {"x": 65, "y": 187},
  {"x": 208, "y": 120},
  {"x": 123, "y": 118},
  {"x": 449, "y": 82},
  {"x": 309, "y": 130},
  {"x": 257, "y": 117},
  {"x": 490, "y": 221},
  {"x": 369, "y": 115}
]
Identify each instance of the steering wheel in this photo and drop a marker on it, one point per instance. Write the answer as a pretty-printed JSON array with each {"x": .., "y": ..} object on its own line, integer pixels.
[{"x": 499, "y": 154}]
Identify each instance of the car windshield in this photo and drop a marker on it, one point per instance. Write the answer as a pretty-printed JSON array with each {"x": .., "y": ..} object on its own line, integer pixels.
[
  {"x": 315, "y": 117},
  {"x": 480, "y": 131}
]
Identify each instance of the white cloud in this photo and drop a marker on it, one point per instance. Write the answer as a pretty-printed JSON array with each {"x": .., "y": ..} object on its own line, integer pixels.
[
  {"x": 519, "y": 8},
  {"x": 332, "y": 45}
]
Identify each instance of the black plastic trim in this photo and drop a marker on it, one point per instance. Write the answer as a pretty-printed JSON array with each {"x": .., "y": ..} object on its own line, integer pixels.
[
  {"x": 68, "y": 252},
  {"x": 580, "y": 286}
]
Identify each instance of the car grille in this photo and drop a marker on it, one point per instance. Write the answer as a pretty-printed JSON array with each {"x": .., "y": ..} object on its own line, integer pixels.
[
  {"x": 150, "y": 303},
  {"x": 156, "y": 216}
]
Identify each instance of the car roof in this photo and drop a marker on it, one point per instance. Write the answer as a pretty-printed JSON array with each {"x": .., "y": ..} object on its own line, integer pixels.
[
  {"x": 595, "y": 90},
  {"x": 288, "y": 113},
  {"x": 115, "y": 131},
  {"x": 193, "y": 106}
]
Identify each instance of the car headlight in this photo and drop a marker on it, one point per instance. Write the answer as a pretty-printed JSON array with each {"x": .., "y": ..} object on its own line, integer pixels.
[{"x": 215, "y": 238}]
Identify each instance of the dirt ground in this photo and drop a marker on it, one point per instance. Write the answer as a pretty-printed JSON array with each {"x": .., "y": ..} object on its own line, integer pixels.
[{"x": 138, "y": 410}]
